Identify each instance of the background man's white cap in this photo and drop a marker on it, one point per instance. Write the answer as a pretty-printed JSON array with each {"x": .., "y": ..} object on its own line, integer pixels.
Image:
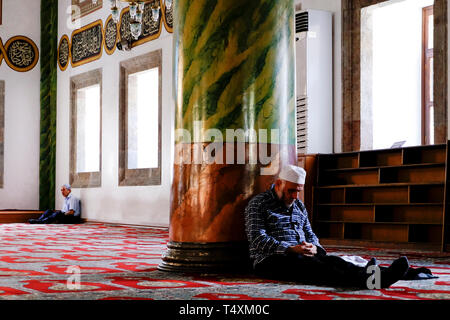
[{"x": 293, "y": 174}]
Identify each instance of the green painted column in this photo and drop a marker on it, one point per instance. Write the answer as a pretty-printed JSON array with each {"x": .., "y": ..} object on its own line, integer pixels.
[
  {"x": 235, "y": 123},
  {"x": 49, "y": 49}
]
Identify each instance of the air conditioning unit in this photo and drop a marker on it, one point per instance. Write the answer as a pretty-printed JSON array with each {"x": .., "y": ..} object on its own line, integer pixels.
[{"x": 314, "y": 81}]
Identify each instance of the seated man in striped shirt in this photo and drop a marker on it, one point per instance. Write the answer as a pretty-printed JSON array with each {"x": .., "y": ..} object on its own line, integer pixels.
[{"x": 283, "y": 245}]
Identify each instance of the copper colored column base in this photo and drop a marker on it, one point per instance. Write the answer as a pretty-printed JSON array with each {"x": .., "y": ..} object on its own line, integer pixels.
[{"x": 217, "y": 257}]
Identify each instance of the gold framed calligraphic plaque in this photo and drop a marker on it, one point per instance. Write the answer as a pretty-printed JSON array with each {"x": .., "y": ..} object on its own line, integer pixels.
[
  {"x": 87, "y": 43},
  {"x": 2, "y": 51},
  {"x": 110, "y": 35},
  {"x": 64, "y": 52},
  {"x": 150, "y": 29},
  {"x": 21, "y": 53},
  {"x": 167, "y": 17}
]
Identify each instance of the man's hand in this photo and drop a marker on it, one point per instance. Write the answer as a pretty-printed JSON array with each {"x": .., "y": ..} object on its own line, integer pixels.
[
  {"x": 305, "y": 248},
  {"x": 69, "y": 213}
]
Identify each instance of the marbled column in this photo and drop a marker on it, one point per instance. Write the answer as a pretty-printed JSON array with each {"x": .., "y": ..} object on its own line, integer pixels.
[
  {"x": 49, "y": 68},
  {"x": 234, "y": 71}
]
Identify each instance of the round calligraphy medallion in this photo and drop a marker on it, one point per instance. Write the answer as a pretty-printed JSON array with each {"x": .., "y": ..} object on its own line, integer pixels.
[{"x": 21, "y": 53}]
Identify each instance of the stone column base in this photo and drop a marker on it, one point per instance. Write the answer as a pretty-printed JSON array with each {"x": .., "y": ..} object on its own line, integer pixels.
[{"x": 220, "y": 257}]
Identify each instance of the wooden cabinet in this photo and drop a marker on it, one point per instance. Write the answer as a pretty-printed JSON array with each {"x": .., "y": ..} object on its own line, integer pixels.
[
  {"x": 387, "y": 198},
  {"x": 309, "y": 163}
]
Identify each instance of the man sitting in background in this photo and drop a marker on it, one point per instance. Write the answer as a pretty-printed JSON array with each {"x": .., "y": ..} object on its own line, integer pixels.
[{"x": 70, "y": 212}]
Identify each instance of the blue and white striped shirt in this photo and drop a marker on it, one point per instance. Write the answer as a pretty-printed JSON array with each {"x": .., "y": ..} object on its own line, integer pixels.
[{"x": 271, "y": 227}]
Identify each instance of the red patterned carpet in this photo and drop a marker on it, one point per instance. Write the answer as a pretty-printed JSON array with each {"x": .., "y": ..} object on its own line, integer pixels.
[{"x": 119, "y": 263}]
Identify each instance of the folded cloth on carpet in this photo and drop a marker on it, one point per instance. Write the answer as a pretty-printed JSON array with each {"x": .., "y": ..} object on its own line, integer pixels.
[
  {"x": 421, "y": 273},
  {"x": 356, "y": 260}
]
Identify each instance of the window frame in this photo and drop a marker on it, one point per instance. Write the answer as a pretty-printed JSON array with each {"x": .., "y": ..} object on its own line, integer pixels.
[
  {"x": 351, "y": 72},
  {"x": 427, "y": 55},
  {"x": 144, "y": 176},
  {"x": 83, "y": 179}
]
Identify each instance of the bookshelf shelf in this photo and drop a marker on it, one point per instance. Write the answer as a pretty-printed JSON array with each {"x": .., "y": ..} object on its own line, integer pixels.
[{"x": 397, "y": 196}]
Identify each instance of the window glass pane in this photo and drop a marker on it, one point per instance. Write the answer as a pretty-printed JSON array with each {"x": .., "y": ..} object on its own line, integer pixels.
[
  {"x": 431, "y": 124},
  {"x": 431, "y": 74},
  {"x": 143, "y": 118},
  {"x": 88, "y": 129},
  {"x": 430, "y": 32}
]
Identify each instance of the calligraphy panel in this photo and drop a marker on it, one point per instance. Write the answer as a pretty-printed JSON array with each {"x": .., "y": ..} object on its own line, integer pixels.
[
  {"x": 111, "y": 35},
  {"x": 87, "y": 44},
  {"x": 84, "y": 8},
  {"x": 167, "y": 15},
  {"x": 21, "y": 53},
  {"x": 64, "y": 52},
  {"x": 150, "y": 29}
]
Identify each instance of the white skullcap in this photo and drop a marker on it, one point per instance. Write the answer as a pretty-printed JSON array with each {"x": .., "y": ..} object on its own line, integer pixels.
[
  {"x": 293, "y": 174},
  {"x": 67, "y": 186}
]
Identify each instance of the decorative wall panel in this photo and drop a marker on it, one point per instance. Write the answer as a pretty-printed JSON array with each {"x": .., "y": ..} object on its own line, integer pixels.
[
  {"x": 167, "y": 15},
  {"x": 111, "y": 35},
  {"x": 150, "y": 29},
  {"x": 64, "y": 52},
  {"x": 87, "y": 44},
  {"x": 20, "y": 53}
]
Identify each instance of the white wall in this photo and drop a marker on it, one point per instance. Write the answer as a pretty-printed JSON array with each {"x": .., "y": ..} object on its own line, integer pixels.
[
  {"x": 149, "y": 205},
  {"x": 22, "y": 111},
  {"x": 334, "y": 6}
]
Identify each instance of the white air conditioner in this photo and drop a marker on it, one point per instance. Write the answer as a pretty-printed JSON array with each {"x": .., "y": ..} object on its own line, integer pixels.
[{"x": 314, "y": 84}]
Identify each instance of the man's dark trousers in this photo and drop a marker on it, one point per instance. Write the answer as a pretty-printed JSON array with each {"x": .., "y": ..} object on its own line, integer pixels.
[
  {"x": 50, "y": 216},
  {"x": 320, "y": 269}
]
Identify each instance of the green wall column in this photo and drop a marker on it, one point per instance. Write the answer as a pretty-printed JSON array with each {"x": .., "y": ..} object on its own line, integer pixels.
[
  {"x": 234, "y": 71},
  {"x": 49, "y": 49}
]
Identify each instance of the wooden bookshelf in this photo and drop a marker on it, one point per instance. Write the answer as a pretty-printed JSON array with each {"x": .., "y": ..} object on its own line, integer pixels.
[
  {"x": 390, "y": 198},
  {"x": 309, "y": 163}
]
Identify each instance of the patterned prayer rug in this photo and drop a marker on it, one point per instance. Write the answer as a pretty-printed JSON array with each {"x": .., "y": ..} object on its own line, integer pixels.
[{"x": 120, "y": 263}]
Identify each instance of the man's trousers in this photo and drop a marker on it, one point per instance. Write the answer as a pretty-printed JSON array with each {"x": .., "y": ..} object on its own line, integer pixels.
[
  {"x": 51, "y": 216},
  {"x": 320, "y": 269}
]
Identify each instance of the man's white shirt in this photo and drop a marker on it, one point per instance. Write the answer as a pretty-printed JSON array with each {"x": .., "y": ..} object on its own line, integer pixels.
[{"x": 71, "y": 203}]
